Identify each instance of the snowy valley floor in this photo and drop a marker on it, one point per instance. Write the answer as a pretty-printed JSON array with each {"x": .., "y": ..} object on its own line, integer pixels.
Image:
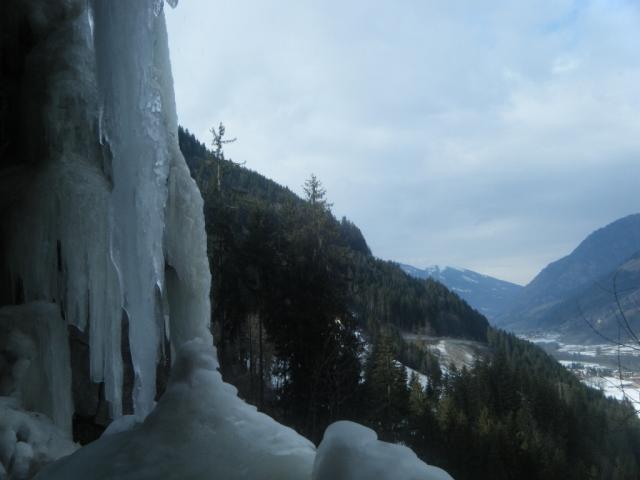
[{"x": 613, "y": 369}]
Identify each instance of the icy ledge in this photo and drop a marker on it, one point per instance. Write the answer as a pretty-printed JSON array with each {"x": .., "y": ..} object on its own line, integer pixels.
[
  {"x": 352, "y": 452},
  {"x": 200, "y": 429}
]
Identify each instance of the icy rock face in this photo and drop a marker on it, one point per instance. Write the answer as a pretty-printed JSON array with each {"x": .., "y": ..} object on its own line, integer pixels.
[
  {"x": 199, "y": 429},
  {"x": 55, "y": 231},
  {"x": 107, "y": 223},
  {"x": 352, "y": 452}
]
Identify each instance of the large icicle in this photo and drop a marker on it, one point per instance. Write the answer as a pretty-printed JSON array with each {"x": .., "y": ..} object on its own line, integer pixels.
[
  {"x": 88, "y": 231},
  {"x": 133, "y": 96}
]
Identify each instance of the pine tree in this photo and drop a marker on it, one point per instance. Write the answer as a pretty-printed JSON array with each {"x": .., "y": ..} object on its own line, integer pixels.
[
  {"x": 315, "y": 193},
  {"x": 417, "y": 397},
  {"x": 386, "y": 387}
]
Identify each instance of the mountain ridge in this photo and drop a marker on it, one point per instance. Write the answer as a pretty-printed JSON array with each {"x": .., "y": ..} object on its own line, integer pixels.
[
  {"x": 381, "y": 293},
  {"x": 487, "y": 294},
  {"x": 559, "y": 295}
]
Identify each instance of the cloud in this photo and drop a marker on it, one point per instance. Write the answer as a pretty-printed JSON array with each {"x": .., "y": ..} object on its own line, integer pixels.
[{"x": 491, "y": 135}]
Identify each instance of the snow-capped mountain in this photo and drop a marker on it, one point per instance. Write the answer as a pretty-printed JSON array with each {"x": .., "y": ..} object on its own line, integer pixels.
[{"x": 488, "y": 295}]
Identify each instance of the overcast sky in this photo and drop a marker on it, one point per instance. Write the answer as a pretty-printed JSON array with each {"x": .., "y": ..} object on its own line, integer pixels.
[{"x": 489, "y": 135}]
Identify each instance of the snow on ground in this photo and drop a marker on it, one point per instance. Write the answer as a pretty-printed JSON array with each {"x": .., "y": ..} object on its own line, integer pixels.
[
  {"x": 594, "y": 374},
  {"x": 450, "y": 351},
  {"x": 469, "y": 279},
  {"x": 28, "y": 440},
  {"x": 615, "y": 388},
  {"x": 422, "y": 378},
  {"x": 588, "y": 350},
  {"x": 578, "y": 364},
  {"x": 541, "y": 337}
]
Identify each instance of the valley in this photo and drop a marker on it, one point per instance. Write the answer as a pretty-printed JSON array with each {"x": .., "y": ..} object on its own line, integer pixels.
[
  {"x": 613, "y": 369},
  {"x": 577, "y": 309}
]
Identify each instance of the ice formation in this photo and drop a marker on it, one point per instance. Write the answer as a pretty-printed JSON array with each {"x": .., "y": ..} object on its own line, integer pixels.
[
  {"x": 89, "y": 233},
  {"x": 103, "y": 238},
  {"x": 28, "y": 441},
  {"x": 34, "y": 359},
  {"x": 352, "y": 452},
  {"x": 107, "y": 229},
  {"x": 35, "y": 376},
  {"x": 198, "y": 430}
]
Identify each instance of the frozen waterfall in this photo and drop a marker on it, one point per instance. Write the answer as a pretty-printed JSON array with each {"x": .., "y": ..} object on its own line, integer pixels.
[{"x": 105, "y": 274}]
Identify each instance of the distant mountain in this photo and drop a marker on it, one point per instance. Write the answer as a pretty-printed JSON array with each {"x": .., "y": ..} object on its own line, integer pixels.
[
  {"x": 488, "y": 295},
  {"x": 580, "y": 286},
  {"x": 598, "y": 308}
]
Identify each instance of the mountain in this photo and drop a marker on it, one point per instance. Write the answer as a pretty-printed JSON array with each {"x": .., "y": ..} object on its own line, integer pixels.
[
  {"x": 595, "y": 312},
  {"x": 488, "y": 295},
  {"x": 581, "y": 287}
]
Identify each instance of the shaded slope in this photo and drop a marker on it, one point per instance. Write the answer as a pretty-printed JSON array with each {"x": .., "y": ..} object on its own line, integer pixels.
[
  {"x": 490, "y": 296},
  {"x": 545, "y": 301}
]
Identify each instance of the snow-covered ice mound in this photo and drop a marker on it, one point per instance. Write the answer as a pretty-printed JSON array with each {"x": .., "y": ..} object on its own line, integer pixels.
[
  {"x": 28, "y": 440},
  {"x": 199, "y": 429},
  {"x": 352, "y": 452}
]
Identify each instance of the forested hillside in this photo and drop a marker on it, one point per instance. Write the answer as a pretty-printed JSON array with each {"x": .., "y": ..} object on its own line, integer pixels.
[
  {"x": 585, "y": 290},
  {"x": 239, "y": 202},
  {"x": 307, "y": 323},
  {"x": 523, "y": 416}
]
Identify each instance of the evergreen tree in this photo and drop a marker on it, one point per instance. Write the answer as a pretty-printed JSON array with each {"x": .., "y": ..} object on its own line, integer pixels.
[
  {"x": 386, "y": 390},
  {"x": 315, "y": 193}
]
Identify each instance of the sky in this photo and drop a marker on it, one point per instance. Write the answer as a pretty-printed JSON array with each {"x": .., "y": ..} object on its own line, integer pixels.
[{"x": 493, "y": 135}]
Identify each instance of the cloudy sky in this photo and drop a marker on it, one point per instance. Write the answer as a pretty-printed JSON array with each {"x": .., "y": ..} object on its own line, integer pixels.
[{"x": 489, "y": 135}]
